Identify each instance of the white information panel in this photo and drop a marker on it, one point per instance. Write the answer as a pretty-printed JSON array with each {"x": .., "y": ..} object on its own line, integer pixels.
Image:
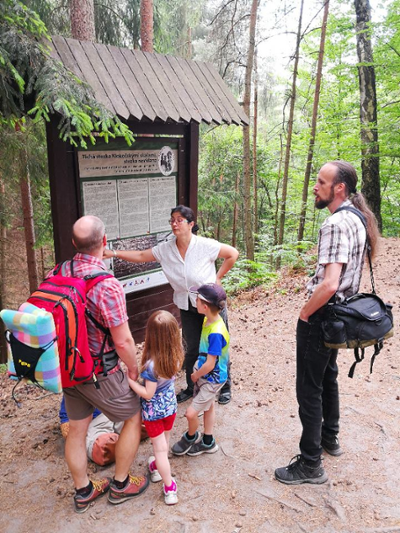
[
  {"x": 100, "y": 199},
  {"x": 162, "y": 195},
  {"x": 132, "y": 191},
  {"x": 133, "y": 198}
]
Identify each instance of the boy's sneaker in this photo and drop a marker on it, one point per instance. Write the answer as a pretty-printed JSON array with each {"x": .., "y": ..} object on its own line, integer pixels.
[
  {"x": 154, "y": 474},
  {"x": 200, "y": 447},
  {"x": 99, "y": 488},
  {"x": 331, "y": 445},
  {"x": 183, "y": 445},
  {"x": 171, "y": 496},
  {"x": 298, "y": 472},
  {"x": 136, "y": 485}
]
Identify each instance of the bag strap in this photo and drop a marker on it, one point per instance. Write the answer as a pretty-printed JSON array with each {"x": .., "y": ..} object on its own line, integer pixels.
[
  {"x": 62, "y": 267},
  {"x": 91, "y": 281},
  {"x": 358, "y": 213}
]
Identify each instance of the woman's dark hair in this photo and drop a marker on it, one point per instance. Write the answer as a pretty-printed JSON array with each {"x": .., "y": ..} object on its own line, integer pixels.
[
  {"x": 186, "y": 213},
  {"x": 347, "y": 174}
]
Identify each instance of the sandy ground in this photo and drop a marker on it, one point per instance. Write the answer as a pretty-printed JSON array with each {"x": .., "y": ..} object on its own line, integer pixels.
[{"x": 233, "y": 490}]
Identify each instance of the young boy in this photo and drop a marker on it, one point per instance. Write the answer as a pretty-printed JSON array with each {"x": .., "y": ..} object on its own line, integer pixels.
[{"x": 209, "y": 372}]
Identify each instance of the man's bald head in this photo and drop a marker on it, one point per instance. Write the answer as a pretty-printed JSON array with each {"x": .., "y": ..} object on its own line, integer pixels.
[{"x": 87, "y": 234}]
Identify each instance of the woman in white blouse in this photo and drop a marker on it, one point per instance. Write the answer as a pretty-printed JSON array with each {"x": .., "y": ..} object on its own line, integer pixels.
[{"x": 187, "y": 260}]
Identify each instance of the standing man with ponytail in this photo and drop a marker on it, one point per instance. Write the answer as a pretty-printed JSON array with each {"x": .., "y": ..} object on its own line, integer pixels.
[{"x": 341, "y": 254}]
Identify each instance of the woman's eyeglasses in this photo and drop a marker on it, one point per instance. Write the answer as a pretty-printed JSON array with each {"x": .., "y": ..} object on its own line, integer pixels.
[{"x": 178, "y": 221}]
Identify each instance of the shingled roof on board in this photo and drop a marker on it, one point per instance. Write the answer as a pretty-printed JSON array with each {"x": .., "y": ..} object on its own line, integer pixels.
[{"x": 153, "y": 87}]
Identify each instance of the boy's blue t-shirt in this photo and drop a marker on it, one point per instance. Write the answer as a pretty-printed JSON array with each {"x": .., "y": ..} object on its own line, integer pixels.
[{"x": 214, "y": 340}]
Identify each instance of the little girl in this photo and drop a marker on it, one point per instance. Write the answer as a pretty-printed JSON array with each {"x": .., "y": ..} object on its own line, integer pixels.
[{"x": 162, "y": 358}]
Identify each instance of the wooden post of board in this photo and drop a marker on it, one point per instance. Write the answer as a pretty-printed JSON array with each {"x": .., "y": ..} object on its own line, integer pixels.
[
  {"x": 193, "y": 157},
  {"x": 63, "y": 190}
]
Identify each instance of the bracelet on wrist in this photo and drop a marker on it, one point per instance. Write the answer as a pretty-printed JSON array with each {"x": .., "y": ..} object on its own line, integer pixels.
[{"x": 115, "y": 254}]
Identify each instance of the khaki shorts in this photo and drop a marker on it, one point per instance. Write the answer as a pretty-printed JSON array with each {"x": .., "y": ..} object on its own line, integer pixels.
[
  {"x": 204, "y": 394},
  {"x": 114, "y": 398}
]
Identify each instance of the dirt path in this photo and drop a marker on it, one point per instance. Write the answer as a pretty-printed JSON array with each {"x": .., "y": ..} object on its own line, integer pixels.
[{"x": 234, "y": 490}]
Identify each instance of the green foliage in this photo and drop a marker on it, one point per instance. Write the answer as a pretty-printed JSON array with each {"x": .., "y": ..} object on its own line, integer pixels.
[
  {"x": 247, "y": 274},
  {"x": 219, "y": 165},
  {"x": 14, "y": 144},
  {"x": 3, "y": 368},
  {"x": 33, "y": 83}
]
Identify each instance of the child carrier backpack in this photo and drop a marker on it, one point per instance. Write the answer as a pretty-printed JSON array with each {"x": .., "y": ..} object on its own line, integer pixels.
[
  {"x": 359, "y": 321},
  {"x": 65, "y": 298}
]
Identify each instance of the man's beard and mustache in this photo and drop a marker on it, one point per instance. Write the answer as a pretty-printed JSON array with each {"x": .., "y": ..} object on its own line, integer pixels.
[{"x": 321, "y": 204}]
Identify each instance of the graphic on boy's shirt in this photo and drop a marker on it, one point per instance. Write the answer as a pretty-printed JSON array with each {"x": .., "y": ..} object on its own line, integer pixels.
[{"x": 214, "y": 340}]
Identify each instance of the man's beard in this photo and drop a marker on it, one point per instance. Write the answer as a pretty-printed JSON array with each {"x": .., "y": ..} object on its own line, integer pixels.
[{"x": 321, "y": 204}]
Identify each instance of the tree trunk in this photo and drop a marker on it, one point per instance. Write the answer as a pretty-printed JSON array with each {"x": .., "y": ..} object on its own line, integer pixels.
[
  {"x": 368, "y": 110},
  {"x": 289, "y": 132},
  {"x": 146, "y": 25},
  {"x": 189, "y": 46},
  {"x": 278, "y": 182},
  {"x": 255, "y": 118},
  {"x": 27, "y": 210},
  {"x": 248, "y": 227},
  {"x": 3, "y": 236},
  {"x": 82, "y": 20},
  {"x": 235, "y": 211},
  {"x": 310, "y": 155}
]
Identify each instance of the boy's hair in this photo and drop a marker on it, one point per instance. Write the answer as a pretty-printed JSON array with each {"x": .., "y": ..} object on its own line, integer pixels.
[
  {"x": 163, "y": 344},
  {"x": 212, "y": 307},
  {"x": 211, "y": 293}
]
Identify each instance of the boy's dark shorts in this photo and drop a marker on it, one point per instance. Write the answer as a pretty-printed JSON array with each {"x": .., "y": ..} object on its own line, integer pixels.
[{"x": 114, "y": 398}]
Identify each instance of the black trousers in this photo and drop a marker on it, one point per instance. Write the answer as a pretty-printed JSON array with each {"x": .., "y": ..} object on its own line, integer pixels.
[
  {"x": 192, "y": 323},
  {"x": 316, "y": 387}
]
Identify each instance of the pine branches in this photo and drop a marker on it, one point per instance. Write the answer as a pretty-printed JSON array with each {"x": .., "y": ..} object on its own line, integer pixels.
[{"x": 35, "y": 84}]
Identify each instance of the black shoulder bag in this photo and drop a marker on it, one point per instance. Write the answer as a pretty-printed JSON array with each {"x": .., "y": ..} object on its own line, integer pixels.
[{"x": 361, "y": 320}]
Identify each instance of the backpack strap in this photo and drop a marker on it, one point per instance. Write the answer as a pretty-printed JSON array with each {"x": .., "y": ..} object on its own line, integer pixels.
[
  {"x": 91, "y": 281},
  {"x": 361, "y": 216},
  {"x": 62, "y": 268}
]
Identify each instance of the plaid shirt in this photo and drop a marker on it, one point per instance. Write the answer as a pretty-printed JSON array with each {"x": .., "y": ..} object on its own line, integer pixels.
[
  {"x": 105, "y": 301},
  {"x": 341, "y": 239}
]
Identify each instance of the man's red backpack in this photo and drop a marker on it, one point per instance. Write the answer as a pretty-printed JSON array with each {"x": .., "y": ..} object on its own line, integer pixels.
[{"x": 65, "y": 298}]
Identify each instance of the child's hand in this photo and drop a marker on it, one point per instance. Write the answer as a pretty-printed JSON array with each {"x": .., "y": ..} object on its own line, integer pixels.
[
  {"x": 133, "y": 374},
  {"x": 194, "y": 377}
]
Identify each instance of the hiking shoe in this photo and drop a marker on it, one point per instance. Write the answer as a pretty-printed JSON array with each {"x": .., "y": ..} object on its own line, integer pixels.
[
  {"x": 136, "y": 485},
  {"x": 99, "y": 488},
  {"x": 298, "y": 472},
  {"x": 183, "y": 445},
  {"x": 171, "y": 496},
  {"x": 200, "y": 447},
  {"x": 154, "y": 474},
  {"x": 225, "y": 397},
  {"x": 331, "y": 445},
  {"x": 184, "y": 395}
]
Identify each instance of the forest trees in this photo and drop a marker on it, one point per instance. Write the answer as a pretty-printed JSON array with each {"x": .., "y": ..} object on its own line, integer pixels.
[
  {"x": 368, "y": 110},
  {"x": 247, "y": 177},
  {"x": 218, "y": 31},
  {"x": 146, "y": 25},
  {"x": 82, "y": 19}
]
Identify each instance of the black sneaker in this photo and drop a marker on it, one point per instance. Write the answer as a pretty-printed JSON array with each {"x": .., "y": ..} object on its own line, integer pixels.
[
  {"x": 331, "y": 445},
  {"x": 225, "y": 397},
  {"x": 184, "y": 395},
  {"x": 200, "y": 447},
  {"x": 99, "y": 488},
  {"x": 298, "y": 472},
  {"x": 183, "y": 445}
]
